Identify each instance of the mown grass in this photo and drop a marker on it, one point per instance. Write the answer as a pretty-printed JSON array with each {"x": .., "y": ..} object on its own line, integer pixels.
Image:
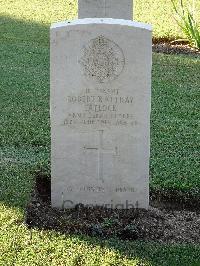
[
  {"x": 175, "y": 124},
  {"x": 20, "y": 246},
  {"x": 159, "y": 13},
  {"x": 25, "y": 143}
]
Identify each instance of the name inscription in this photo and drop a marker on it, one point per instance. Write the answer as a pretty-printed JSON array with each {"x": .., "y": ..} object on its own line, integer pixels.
[{"x": 100, "y": 108}]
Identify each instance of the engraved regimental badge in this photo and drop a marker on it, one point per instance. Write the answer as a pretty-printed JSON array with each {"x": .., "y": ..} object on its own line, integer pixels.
[{"x": 102, "y": 60}]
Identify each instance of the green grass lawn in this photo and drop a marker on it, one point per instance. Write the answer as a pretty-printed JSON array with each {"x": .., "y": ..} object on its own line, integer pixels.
[
  {"x": 25, "y": 142},
  {"x": 159, "y": 13}
]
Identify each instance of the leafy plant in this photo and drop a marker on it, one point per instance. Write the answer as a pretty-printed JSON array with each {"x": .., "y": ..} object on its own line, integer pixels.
[
  {"x": 187, "y": 23},
  {"x": 109, "y": 222}
]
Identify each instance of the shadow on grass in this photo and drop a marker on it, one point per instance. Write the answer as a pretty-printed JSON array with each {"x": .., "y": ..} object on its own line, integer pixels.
[
  {"x": 149, "y": 253},
  {"x": 24, "y": 103},
  {"x": 15, "y": 31}
]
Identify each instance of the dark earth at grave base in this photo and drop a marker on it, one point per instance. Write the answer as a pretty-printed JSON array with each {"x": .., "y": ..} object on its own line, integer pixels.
[
  {"x": 174, "y": 48},
  {"x": 156, "y": 224}
]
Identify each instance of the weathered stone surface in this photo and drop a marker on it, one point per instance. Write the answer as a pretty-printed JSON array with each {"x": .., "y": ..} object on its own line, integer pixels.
[
  {"x": 120, "y": 9},
  {"x": 100, "y": 113}
]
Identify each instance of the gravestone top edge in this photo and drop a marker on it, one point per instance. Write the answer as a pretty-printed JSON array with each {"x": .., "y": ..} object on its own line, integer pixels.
[{"x": 109, "y": 21}]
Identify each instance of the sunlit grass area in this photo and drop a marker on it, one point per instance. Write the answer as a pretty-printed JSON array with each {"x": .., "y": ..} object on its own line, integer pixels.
[
  {"x": 158, "y": 13},
  {"x": 20, "y": 246}
]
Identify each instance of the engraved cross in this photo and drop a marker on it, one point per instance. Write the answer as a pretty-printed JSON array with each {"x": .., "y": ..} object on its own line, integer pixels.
[{"x": 101, "y": 151}]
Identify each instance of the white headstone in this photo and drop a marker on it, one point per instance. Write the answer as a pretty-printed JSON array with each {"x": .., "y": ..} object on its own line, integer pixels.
[
  {"x": 100, "y": 113},
  {"x": 120, "y": 9}
]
